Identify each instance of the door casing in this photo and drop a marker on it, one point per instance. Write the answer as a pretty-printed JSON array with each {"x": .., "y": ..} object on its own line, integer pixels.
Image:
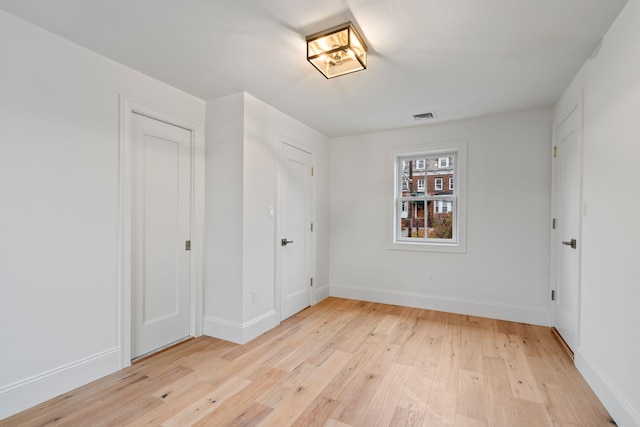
[{"x": 125, "y": 212}]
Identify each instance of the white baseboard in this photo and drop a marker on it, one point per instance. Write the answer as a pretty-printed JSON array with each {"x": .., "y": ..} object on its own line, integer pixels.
[
  {"x": 239, "y": 333},
  {"x": 322, "y": 293},
  {"x": 621, "y": 411},
  {"x": 31, "y": 391},
  {"x": 530, "y": 315}
]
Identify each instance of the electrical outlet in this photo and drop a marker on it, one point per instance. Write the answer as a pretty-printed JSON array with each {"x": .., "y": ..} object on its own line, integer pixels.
[
  {"x": 254, "y": 296},
  {"x": 430, "y": 279}
]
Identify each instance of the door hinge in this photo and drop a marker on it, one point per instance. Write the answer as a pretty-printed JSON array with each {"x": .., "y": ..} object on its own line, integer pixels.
[
  {"x": 312, "y": 171},
  {"x": 555, "y": 151},
  {"x": 311, "y": 281},
  {"x": 311, "y": 226},
  {"x": 553, "y": 295},
  {"x": 187, "y": 245},
  {"x": 553, "y": 225}
]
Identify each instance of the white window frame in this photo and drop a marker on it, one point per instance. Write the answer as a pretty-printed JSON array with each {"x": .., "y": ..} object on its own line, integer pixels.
[
  {"x": 423, "y": 182},
  {"x": 437, "y": 184},
  {"x": 420, "y": 163},
  {"x": 444, "y": 160},
  {"x": 457, "y": 244},
  {"x": 450, "y": 183}
]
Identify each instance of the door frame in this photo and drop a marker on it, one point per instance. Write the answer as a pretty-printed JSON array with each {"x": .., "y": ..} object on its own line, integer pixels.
[
  {"x": 125, "y": 211},
  {"x": 312, "y": 214},
  {"x": 576, "y": 107}
]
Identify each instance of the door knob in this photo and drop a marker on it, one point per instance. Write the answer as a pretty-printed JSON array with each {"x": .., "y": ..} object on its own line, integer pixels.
[
  {"x": 285, "y": 242},
  {"x": 573, "y": 243}
]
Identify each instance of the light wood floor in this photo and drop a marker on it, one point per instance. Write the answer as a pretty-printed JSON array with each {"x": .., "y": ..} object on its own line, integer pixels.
[{"x": 345, "y": 363}]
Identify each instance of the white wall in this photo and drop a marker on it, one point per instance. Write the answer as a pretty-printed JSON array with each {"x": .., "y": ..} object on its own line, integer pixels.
[
  {"x": 609, "y": 351},
  {"x": 243, "y": 145},
  {"x": 224, "y": 223},
  {"x": 505, "y": 272},
  {"x": 59, "y": 135}
]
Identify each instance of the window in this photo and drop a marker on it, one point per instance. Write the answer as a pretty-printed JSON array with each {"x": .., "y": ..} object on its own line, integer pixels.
[
  {"x": 441, "y": 206},
  {"x": 437, "y": 184},
  {"x": 428, "y": 217}
]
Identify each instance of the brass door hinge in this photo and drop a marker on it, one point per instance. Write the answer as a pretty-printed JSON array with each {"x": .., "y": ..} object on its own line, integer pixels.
[{"x": 555, "y": 151}]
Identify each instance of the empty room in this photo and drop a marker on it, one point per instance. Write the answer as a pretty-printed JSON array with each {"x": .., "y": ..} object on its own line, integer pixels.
[{"x": 383, "y": 213}]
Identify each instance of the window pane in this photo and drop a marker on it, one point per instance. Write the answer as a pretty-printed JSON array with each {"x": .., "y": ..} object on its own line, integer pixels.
[
  {"x": 413, "y": 176},
  {"x": 441, "y": 225},
  {"x": 413, "y": 224},
  {"x": 430, "y": 174},
  {"x": 440, "y": 219}
]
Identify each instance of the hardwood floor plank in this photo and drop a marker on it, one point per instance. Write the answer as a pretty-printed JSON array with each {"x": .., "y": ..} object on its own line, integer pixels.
[
  {"x": 404, "y": 417},
  {"x": 470, "y": 400},
  {"x": 416, "y": 391},
  {"x": 206, "y": 404},
  {"x": 237, "y": 409},
  {"x": 345, "y": 363},
  {"x": 317, "y": 413},
  {"x": 385, "y": 402},
  {"x": 497, "y": 383},
  {"x": 285, "y": 387},
  {"x": 354, "y": 367},
  {"x": 169, "y": 408},
  {"x": 356, "y": 398},
  {"x": 289, "y": 409},
  {"x": 523, "y": 383},
  {"x": 441, "y": 409}
]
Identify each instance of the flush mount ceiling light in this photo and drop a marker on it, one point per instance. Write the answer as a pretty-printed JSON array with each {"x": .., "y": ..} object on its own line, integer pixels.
[{"x": 337, "y": 51}]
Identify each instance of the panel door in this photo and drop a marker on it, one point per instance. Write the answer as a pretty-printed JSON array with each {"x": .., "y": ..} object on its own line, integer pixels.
[
  {"x": 295, "y": 232},
  {"x": 567, "y": 200},
  {"x": 161, "y": 199}
]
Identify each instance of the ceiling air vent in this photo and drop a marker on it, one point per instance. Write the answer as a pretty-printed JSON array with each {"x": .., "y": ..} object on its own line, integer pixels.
[{"x": 425, "y": 116}]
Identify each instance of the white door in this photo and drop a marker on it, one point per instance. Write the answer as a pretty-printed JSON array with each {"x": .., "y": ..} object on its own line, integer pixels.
[
  {"x": 295, "y": 230},
  {"x": 161, "y": 196},
  {"x": 567, "y": 202}
]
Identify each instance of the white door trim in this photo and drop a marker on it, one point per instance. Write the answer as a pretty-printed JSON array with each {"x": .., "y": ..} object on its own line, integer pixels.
[
  {"x": 127, "y": 108},
  {"x": 576, "y": 107},
  {"x": 312, "y": 261}
]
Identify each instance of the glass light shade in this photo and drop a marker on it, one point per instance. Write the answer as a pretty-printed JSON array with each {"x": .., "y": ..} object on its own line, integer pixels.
[{"x": 337, "y": 51}]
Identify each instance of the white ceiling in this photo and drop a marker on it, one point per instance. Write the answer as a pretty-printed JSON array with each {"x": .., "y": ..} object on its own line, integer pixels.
[{"x": 459, "y": 58}]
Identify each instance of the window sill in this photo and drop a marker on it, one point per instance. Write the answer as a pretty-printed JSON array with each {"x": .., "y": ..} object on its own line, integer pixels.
[{"x": 457, "y": 248}]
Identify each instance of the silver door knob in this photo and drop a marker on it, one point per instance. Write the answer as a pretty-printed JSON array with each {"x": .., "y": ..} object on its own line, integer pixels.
[{"x": 285, "y": 242}]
